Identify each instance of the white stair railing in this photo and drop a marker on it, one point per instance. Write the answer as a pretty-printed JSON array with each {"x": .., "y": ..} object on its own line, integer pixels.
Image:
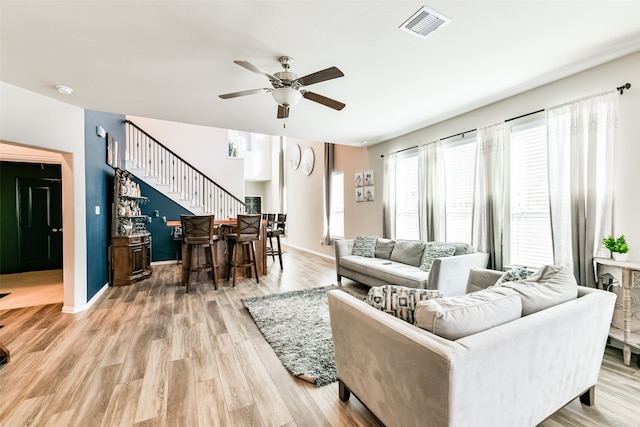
[{"x": 169, "y": 170}]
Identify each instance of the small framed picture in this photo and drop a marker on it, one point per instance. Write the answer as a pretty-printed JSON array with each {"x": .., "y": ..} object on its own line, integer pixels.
[
  {"x": 368, "y": 178},
  {"x": 368, "y": 193},
  {"x": 359, "y": 194},
  {"x": 112, "y": 152},
  {"x": 359, "y": 179}
]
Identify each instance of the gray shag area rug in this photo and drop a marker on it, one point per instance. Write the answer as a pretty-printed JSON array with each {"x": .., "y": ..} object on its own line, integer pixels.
[{"x": 296, "y": 325}]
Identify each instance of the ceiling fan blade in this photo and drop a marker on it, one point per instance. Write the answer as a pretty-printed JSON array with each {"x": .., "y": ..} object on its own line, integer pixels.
[
  {"x": 283, "y": 112},
  {"x": 249, "y": 66},
  {"x": 320, "y": 76},
  {"x": 331, "y": 103},
  {"x": 242, "y": 93}
]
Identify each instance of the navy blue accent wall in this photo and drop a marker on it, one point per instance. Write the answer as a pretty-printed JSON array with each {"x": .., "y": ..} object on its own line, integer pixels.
[
  {"x": 99, "y": 191},
  {"x": 163, "y": 248}
]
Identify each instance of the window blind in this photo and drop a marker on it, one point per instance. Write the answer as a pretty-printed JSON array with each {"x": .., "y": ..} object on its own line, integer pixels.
[
  {"x": 337, "y": 205},
  {"x": 459, "y": 164},
  {"x": 407, "y": 225},
  {"x": 530, "y": 228}
]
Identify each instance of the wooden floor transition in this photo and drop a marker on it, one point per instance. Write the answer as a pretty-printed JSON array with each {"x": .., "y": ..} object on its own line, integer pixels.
[{"x": 151, "y": 355}]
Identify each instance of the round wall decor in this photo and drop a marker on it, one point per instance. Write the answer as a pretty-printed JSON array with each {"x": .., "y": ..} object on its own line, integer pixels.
[
  {"x": 294, "y": 156},
  {"x": 307, "y": 162}
]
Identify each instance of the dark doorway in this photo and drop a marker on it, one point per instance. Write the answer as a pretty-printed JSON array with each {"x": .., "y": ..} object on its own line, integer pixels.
[
  {"x": 253, "y": 204},
  {"x": 39, "y": 212}
]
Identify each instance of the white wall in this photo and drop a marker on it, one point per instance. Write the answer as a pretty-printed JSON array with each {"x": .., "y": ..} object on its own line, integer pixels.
[
  {"x": 305, "y": 201},
  {"x": 257, "y": 162},
  {"x": 34, "y": 120},
  {"x": 360, "y": 218},
  {"x": 204, "y": 147},
  {"x": 598, "y": 79}
]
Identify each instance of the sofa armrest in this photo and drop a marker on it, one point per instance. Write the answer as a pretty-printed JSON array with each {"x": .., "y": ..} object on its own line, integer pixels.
[
  {"x": 481, "y": 278},
  {"x": 449, "y": 274},
  {"x": 390, "y": 365},
  {"x": 342, "y": 248}
]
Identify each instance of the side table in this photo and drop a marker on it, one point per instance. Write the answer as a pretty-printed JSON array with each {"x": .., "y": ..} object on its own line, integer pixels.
[{"x": 630, "y": 279}]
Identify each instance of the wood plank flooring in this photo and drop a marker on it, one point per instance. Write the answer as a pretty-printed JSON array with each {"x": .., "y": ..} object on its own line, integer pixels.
[{"x": 151, "y": 355}]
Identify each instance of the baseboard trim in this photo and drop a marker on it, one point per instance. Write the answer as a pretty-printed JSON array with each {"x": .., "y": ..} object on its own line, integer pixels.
[
  {"x": 308, "y": 250},
  {"x": 83, "y": 307}
]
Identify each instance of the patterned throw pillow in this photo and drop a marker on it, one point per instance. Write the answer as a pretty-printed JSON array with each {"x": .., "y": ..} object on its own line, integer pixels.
[
  {"x": 515, "y": 274},
  {"x": 365, "y": 246},
  {"x": 399, "y": 301},
  {"x": 436, "y": 250}
]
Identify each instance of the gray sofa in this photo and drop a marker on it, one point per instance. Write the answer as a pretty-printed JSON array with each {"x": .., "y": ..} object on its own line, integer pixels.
[
  {"x": 447, "y": 274},
  {"x": 514, "y": 374}
]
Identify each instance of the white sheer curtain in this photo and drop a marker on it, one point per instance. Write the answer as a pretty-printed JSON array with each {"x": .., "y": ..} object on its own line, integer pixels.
[
  {"x": 581, "y": 136},
  {"x": 431, "y": 191},
  {"x": 489, "y": 191},
  {"x": 389, "y": 197}
]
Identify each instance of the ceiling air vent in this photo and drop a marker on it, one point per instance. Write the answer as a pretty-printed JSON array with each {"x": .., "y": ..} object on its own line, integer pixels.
[{"x": 424, "y": 22}]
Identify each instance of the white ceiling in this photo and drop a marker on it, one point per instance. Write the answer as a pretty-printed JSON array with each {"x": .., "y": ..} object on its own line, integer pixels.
[{"x": 171, "y": 60}]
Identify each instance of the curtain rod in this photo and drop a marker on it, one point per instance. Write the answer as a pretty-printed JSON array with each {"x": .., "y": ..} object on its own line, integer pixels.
[{"x": 620, "y": 89}]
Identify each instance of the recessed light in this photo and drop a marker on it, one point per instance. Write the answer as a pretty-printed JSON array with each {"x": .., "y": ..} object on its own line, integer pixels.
[
  {"x": 363, "y": 142},
  {"x": 65, "y": 90}
]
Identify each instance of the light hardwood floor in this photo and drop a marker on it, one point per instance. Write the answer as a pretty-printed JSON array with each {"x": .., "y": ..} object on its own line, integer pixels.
[
  {"x": 32, "y": 288},
  {"x": 151, "y": 355}
]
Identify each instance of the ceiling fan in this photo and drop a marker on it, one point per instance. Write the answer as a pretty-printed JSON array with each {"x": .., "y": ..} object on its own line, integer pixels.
[{"x": 288, "y": 88}]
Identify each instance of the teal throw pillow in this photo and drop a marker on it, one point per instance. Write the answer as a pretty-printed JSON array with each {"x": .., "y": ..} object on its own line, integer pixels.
[
  {"x": 399, "y": 301},
  {"x": 365, "y": 246},
  {"x": 436, "y": 250}
]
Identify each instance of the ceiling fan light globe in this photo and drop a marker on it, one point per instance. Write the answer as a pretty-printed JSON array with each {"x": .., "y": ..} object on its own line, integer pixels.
[{"x": 286, "y": 97}]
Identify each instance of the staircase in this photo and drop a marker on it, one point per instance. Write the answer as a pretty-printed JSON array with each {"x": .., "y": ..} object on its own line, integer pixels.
[{"x": 161, "y": 168}]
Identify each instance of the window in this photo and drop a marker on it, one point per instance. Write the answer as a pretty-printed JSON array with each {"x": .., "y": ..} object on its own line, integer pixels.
[
  {"x": 407, "y": 225},
  {"x": 530, "y": 225},
  {"x": 459, "y": 169},
  {"x": 337, "y": 205}
]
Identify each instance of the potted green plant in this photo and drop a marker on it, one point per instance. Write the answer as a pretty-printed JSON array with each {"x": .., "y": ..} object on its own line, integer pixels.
[{"x": 618, "y": 247}]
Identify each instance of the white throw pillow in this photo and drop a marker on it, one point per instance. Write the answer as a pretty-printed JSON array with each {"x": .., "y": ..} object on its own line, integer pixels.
[
  {"x": 458, "y": 316},
  {"x": 550, "y": 285}
]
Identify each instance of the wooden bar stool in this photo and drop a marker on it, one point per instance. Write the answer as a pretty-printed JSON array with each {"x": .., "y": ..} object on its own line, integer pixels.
[
  {"x": 243, "y": 253},
  {"x": 276, "y": 230},
  {"x": 199, "y": 231}
]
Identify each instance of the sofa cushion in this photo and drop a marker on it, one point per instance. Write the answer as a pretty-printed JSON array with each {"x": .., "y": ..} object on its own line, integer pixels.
[
  {"x": 463, "y": 248},
  {"x": 514, "y": 274},
  {"x": 550, "y": 285},
  {"x": 458, "y": 316},
  {"x": 384, "y": 247},
  {"x": 435, "y": 250},
  {"x": 399, "y": 301},
  {"x": 408, "y": 252},
  {"x": 391, "y": 272},
  {"x": 364, "y": 246}
]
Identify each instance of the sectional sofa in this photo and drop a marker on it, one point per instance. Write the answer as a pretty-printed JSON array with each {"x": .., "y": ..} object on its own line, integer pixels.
[
  {"x": 402, "y": 262},
  {"x": 512, "y": 371}
]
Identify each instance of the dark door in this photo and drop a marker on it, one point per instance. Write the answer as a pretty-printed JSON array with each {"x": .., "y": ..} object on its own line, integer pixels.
[{"x": 40, "y": 224}]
